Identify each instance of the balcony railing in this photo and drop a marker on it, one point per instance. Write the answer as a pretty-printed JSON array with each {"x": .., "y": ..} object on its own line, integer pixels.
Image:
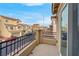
[
  {"x": 13, "y": 46},
  {"x": 49, "y": 35}
]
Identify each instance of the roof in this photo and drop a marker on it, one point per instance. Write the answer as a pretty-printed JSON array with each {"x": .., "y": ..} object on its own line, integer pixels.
[
  {"x": 10, "y": 18},
  {"x": 23, "y": 24}
]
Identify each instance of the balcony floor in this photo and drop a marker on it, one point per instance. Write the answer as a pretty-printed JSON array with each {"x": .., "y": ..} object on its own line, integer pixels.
[{"x": 45, "y": 50}]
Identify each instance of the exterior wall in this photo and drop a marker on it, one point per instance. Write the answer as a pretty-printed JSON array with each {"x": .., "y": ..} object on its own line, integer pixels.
[
  {"x": 3, "y": 29},
  {"x": 36, "y": 26},
  {"x": 62, "y": 42},
  {"x": 12, "y": 22},
  {"x": 27, "y": 50},
  {"x": 48, "y": 41},
  {"x": 54, "y": 24},
  {"x": 73, "y": 33},
  {"x": 9, "y": 27},
  {"x": 58, "y": 23}
]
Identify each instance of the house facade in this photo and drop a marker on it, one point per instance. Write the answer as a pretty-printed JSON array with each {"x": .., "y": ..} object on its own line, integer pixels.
[{"x": 11, "y": 27}]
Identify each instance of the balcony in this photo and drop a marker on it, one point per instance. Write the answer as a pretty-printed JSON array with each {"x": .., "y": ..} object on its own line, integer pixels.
[
  {"x": 36, "y": 43},
  {"x": 44, "y": 50}
]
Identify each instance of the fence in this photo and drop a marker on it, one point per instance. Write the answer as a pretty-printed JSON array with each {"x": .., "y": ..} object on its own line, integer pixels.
[{"x": 12, "y": 47}]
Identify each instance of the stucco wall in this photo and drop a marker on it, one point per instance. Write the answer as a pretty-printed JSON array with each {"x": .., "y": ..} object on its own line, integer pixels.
[{"x": 3, "y": 29}]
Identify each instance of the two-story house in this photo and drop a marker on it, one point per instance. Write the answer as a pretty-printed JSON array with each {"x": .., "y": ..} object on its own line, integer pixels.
[{"x": 11, "y": 27}]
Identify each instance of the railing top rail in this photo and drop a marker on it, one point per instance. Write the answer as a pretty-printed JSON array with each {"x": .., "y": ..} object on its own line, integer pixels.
[{"x": 15, "y": 38}]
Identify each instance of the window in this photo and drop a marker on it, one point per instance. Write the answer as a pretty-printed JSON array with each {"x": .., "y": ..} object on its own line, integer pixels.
[
  {"x": 64, "y": 24},
  {"x": 19, "y": 27},
  {"x": 7, "y": 27},
  {"x": 17, "y": 21},
  {"x": 6, "y": 20},
  {"x": 11, "y": 27}
]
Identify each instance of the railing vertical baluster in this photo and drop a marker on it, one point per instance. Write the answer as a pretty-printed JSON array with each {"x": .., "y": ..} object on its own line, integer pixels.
[
  {"x": 6, "y": 48},
  {"x": 0, "y": 48},
  {"x": 14, "y": 47},
  {"x": 20, "y": 42},
  {"x": 17, "y": 45},
  {"x": 24, "y": 41},
  {"x": 11, "y": 48}
]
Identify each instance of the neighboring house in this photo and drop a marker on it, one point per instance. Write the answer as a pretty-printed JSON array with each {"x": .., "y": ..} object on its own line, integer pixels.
[
  {"x": 11, "y": 27},
  {"x": 36, "y": 27},
  {"x": 25, "y": 28}
]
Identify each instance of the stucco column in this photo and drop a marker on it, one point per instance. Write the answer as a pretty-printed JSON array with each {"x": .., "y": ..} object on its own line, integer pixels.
[
  {"x": 56, "y": 29},
  {"x": 54, "y": 24},
  {"x": 38, "y": 35}
]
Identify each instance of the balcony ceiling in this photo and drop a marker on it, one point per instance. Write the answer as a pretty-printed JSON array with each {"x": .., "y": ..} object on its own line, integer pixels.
[{"x": 55, "y": 7}]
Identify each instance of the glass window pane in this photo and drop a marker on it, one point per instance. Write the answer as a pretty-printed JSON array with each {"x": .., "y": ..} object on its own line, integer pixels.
[{"x": 64, "y": 24}]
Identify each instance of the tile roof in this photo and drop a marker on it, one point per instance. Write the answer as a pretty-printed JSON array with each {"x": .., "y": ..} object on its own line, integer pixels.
[{"x": 10, "y": 18}]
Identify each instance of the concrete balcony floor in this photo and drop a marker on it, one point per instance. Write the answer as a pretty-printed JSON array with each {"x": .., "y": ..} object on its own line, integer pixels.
[{"x": 45, "y": 50}]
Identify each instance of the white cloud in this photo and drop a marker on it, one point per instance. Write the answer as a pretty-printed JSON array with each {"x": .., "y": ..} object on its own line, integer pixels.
[{"x": 33, "y": 4}]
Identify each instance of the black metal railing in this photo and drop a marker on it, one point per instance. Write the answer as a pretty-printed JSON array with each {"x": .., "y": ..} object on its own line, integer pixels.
[{"x": 13, "y": 46}]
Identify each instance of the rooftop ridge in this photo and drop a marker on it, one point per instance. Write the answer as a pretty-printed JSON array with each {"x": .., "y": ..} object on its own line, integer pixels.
[{"x": 10, "y": 18}]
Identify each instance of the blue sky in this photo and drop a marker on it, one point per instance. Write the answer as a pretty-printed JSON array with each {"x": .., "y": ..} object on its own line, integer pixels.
[{"x": 29, "y": 13}]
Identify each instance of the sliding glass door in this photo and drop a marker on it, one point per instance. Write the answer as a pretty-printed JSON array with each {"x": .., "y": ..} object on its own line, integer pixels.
[{"x": 64, "y": 26}]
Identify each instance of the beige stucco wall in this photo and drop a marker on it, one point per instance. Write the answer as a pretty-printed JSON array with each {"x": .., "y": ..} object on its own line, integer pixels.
[
  {"x": 58, "y": 14},
  {"x": 27, "y": 50},
  {"x": 8, "y": 32},
  {"x": 48, "y": 41},
  {"x": 3, "y": 29},
  {"x": 54, "y": 25}
]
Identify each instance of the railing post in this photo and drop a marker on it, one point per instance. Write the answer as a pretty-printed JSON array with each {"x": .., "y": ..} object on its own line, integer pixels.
[{"x": 38, "y": 36}]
